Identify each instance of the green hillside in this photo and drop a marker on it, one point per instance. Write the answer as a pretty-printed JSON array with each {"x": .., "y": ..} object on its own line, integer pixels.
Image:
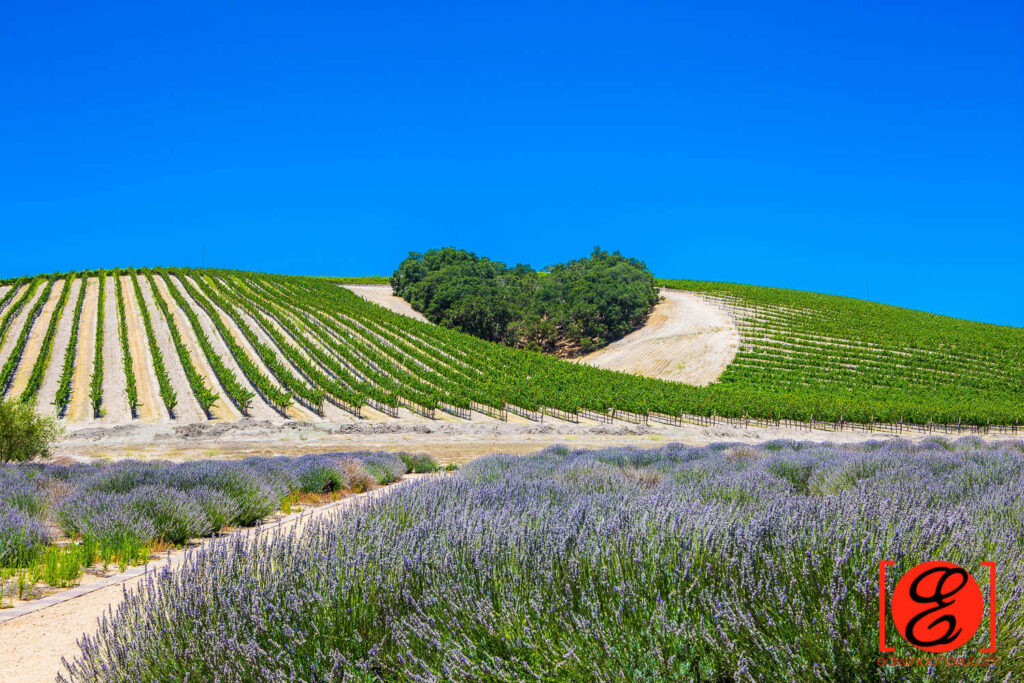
[{"x": 284, "y": 341}]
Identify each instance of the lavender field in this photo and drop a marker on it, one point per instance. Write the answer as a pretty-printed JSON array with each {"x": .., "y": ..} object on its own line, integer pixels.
[
  {"x": 723, "y": 563},
  {"x": 58, "y": 520}
]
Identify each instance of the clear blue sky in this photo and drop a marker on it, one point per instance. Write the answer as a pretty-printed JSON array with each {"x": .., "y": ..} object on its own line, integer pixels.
[{"x": 813, "y": 145}]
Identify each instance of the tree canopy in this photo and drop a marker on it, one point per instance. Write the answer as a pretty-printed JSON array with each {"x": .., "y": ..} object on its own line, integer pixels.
[{"x": 567, "y": 309}]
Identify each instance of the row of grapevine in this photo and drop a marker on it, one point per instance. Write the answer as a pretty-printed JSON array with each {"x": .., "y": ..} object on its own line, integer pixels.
[
  {"x": 131, "y": 388},
  {"x": 275, "y": 397},
  {"x": 233, "y": 387},
  {"x": 310, "y": 397},
  {"x": 24, "y": 296},
  {"x": 96, "y": 383},
  {"x": 294, "y": 339},
  {"x": 14, "y": 359},
  {"x": 295, "y": 351},
  {"x": 12, "y": 293},
  {"x": 63, "y": 396},
  {"x": 167, "y": 393},
  {"x": 35, "y": 379},
  {"x": 354, "y": 385}
]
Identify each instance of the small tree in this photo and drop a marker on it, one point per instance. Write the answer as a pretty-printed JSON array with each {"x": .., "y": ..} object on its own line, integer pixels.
[{"x": 23, "y": 434}]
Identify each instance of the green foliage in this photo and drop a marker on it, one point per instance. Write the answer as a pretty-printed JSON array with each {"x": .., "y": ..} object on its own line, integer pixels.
[
  {"x": 14, "y": 358},
  {"x": 63, "y": 396},
  {"x": 96, "y": 383},
  {"x": 35, "y": 380},
  {"x": 571, "y": 308},
  {"x": 24, "y": 435},
  {"x": 418, "y": 462},
  {"x": 167, "y": 392},
  {"x": 802, "y": 356},
  {"x": 131, "y": 388}
]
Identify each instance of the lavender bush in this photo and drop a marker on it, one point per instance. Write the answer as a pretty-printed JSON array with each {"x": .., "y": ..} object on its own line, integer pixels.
[
  {"x": 724, "y": 563},
  {"x": 122, "y": 506},
  {"x": 20, "y": 535}
]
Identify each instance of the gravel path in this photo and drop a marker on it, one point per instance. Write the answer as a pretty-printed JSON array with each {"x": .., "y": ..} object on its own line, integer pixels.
[
  {"x": 36, "y": 644},
  {"x": 187, "y": 408},
  {"x": 151, "y": 408},
  {"x": 35, "y": 342},
  {"x": 223, "y": 409},
  {"x": 259, "y": 409},
  {"x": 114, "y": 408},
  {"x": 80, "y": 409},
  {"x": 51, "y": 379}
]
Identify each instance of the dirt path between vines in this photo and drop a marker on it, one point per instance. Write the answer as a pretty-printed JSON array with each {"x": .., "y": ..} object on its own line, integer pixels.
[
  {"x": 80, "y": 408},
  {"x": 686, "y": 339},
  {"x": 35, "y": 644},
  {"x": 187, "y": 408},
  {"x": 223, "y": 408},
  {"x": 51, "y": 378},
  {"x": 151, "y": 406},
  {"x": 35, "y": 341},
  {"x": 114, "y": 406},
  {"x": 382, "y": 295}
]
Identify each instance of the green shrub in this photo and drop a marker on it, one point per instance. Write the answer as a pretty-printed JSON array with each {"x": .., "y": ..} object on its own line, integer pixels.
[{"x": 23, "y": 434}]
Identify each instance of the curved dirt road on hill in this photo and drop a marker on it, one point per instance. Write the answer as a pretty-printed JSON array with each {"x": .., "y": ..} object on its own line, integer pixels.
[
  {"x": 686, "y": 339},
  {"x": 383, "y": 296}
]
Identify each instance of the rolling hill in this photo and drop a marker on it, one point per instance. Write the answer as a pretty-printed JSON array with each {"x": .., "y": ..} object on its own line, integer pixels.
[{"x": 110, "y": 347}]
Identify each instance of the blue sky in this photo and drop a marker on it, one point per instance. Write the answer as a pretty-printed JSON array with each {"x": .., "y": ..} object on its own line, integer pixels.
[{"x": 821, "y": 146}]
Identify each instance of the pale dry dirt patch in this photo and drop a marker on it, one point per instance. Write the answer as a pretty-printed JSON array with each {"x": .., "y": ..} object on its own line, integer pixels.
[
  {"x": 383, "y": 295},
  {"x": 686, "y": 339}
]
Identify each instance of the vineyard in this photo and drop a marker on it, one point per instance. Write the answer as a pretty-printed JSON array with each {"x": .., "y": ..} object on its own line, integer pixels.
[{"x": 220, "y": 345}]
